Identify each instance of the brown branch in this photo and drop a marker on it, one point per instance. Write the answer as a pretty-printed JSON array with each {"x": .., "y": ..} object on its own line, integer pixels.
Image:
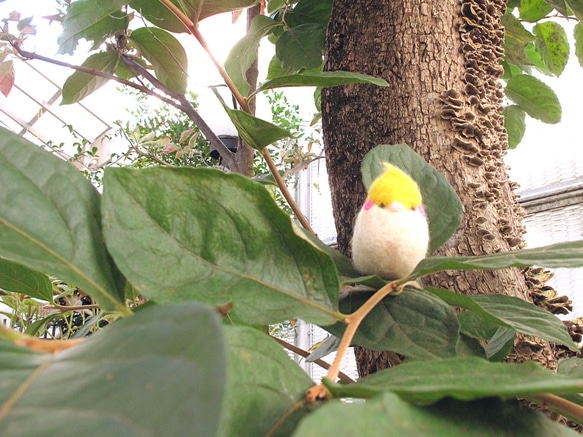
[
  {"x": 559, "y": 404},
  {"x": 65, "y": 308},
  {"x": 344, "y": 377},
  {"x": 183, "y": 104}
]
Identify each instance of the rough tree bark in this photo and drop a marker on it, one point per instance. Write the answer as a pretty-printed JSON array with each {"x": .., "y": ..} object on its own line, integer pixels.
[{"x": 441, "y": 60}]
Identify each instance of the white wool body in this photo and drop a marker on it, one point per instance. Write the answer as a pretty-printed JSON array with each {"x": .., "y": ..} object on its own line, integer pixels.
[{"x": 389, "y": 243}]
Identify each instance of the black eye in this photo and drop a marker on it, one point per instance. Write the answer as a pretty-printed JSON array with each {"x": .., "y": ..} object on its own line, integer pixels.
[
  {"x": 413, "y": 208},
  {"x": 382, "y": 205}
]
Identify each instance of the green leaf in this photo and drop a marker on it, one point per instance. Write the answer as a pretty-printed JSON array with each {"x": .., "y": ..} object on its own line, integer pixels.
[
  {"x": 413, "y": 323},
  {"x": 19, "y": 279},
  {"x": 263, "y": 384},
  {"x": 514, "y": 28},
  {"x": 571, "y": 367},
  {"x": 343, "y": 264},
  {"x": 469, "y": 347},
  {"x": 79, "y": 85},
  {"x": 533, "y": 10},
  {"x": 535, "y": 97},
  {"x": 158, "y": 14},
  {"x": 443, "y": 207},
  {"x": 577, "y": 8},
  {"x": 460, "y": 378},
  {"x": 257, "y": 133},
  {"x": 501, "y": 344},
  {"x": 166, "y": 55},
  {"x": 309, "y": 11},
  {"x": 67, "y": 242},
  {"x": 93, "y": 21},
  {"x": 275, "y": 69},
  {"x": 536, "y": 61},
  {"x": 198, "y": 10},
  {"x": 515, "y": 124},
  {"x": 301, "y": 47},
  {"x": 568, "y": 254},
  {"x": 578, "y": 33},
  {"x": 320, "y": 79},
  {"x": 515, "y": 51},
  {"x": 124, "y": 72},
  {"x": 244, "y": 53},
  {"x": 475, "y": 326},
  {"x": 552, "y": 45},
  {"x": 560, "y": 6},
  {"x": 159, "y": 372},
  {"x": 389, "y": 416},
  {"x": 511, "y": 312},
  {"x": 200, "y": 234}
]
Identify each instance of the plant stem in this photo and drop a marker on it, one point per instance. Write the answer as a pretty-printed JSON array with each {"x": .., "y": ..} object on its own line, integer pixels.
[
  {"x": 559, "y": 404},
  {"x": 353, "y": 321},
  {"x": 342, "y": 376}
]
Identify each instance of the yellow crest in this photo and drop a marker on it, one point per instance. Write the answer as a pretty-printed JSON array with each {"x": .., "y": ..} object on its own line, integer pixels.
[{"x": 394, "y": 185}]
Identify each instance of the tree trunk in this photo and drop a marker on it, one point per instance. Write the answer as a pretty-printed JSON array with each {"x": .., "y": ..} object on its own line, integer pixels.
[{"x": 441, "y": 60}]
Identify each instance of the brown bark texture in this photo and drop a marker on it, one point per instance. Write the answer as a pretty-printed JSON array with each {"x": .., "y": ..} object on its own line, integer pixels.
[{"x": 441, "y": 60}]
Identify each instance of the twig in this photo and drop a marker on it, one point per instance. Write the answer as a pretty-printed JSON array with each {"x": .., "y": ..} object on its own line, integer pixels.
[
  {"x": 557, "y": 403},
  {"x": 343, "y": 376},
  {"x": 353, "y": 321},
  {"x": 66, "y": 308}
]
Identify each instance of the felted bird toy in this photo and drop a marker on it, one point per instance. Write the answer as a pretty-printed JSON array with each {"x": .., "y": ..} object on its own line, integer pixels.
[{"x": 391, "y": 233}]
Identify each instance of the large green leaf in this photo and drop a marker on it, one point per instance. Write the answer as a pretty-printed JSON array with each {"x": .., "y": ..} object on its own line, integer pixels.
[
  {"x": 244, "y": 53},
  {"x": 533, "y": 10},
  {"x": 515, "y": 124},
  {"x": 413, "y": 323},
  {"x": 552, "y": 45},
  {"x": 388, "y": 416},
  {"x": 460, "y": 378},
  {"x": 19, "y": 279},
  {"x": 200, "y": 234},
  {"x": 93, "y": 21},
  {"x": 166, "y": 55},
  {"x": 301, "y": 47},
  {"x": 443, "y": 206},
  {"x": 577, "y": 8},
  {"x": 568, "y": 254},
  {"x": 158, "y": 14},
  {"x": 256, "y": 132},
  {"x": 79, "y": 85},
  {"x": 160, "y": 372},
  {"x": 49, "y": 221},
  {"x": 535, "y": 97},
  {"x": 511, "y": 312},
  {"x": 263, "y": 384},
  {"x": 320, "y": 79}
]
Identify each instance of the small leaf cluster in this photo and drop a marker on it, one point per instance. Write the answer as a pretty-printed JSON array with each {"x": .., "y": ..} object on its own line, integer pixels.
[
  {"x": 542, "y": 47},
  {"x": 191, "y": 240}
]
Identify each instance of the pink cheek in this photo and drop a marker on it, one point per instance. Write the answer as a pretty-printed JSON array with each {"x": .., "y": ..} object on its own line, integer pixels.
[
  {"x": 422, "y": 211},
  {"x": 368, "y": 204}
]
